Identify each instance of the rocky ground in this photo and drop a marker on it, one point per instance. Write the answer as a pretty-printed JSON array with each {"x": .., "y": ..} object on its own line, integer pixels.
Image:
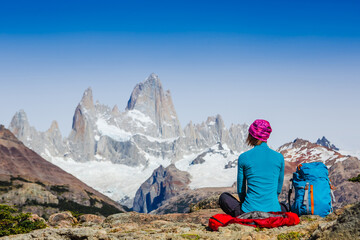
[{"x": 342, "y": 224}]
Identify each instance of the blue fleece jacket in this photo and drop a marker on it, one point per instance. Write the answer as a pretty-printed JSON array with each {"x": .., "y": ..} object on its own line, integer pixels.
[{"x": 260, "y": 179}]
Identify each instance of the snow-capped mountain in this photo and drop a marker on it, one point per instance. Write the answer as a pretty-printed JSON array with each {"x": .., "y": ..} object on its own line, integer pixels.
[
  {"x": 115, "y": 152},
  {"x": 301, "y": 150}
]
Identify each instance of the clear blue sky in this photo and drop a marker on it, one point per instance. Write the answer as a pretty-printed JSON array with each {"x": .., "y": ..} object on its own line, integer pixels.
[{"x": 295, "y": 63}]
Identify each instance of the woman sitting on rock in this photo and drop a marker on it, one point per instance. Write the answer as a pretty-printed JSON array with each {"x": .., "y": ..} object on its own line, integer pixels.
[{"x": 260, "y": 176}]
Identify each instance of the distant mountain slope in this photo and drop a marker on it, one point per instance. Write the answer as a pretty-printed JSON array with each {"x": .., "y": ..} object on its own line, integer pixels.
[{"x": 34, "y": 184}]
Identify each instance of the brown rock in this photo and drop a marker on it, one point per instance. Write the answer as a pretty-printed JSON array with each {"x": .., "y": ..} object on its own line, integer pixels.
[
  {"x": 211, "y": 202},
  {"x": 91, "y": 219},
  {"x": 64, "y": 219}
]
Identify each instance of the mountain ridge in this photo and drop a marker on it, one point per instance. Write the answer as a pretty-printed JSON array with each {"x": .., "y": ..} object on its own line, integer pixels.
[{"x": 143, "y": 137}]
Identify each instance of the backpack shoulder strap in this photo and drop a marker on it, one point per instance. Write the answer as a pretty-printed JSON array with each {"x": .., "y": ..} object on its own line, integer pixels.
[{"x": 306, "y": 198}]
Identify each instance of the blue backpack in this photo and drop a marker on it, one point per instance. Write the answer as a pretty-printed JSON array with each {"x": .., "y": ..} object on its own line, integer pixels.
[{"x": 313, "y": 190}]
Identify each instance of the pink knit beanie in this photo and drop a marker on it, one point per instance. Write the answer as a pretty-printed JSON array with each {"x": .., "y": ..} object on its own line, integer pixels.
[{"x": 260, "y": 129}]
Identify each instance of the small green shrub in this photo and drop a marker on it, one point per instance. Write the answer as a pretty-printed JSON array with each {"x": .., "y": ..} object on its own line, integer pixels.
[
  {"x": 5, "y": 184},
  {"x": 355, "y": 179},
  {"x": 290, "y": 236},
  {"x": 40, "y": 183},
  {"x": 259, "y": 229},
  {"x": 59, "y": 188},
  {"x": 308, "y": 218},
  {"x": 190, "y": 236},
  {"x": 76, "y": 214},
  {"x": 14, "y": 222}
]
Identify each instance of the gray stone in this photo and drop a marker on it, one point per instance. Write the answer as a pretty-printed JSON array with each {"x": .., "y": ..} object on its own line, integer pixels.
[{"x": 347, "y": 226}]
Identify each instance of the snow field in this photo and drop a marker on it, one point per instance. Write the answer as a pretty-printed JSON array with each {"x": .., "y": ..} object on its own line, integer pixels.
[
  {"x": 212, "y": 172},
  {"x": 113, "y": 180},
  {"x": 112, "y": 131}
]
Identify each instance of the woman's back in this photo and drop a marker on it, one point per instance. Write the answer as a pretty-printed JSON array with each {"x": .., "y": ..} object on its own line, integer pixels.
[{"x": 262, "y": 170}]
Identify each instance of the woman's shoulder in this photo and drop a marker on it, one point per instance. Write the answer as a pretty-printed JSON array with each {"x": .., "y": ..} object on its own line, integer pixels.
[
  {"x": 247, "y": 152},
  {"x": 244, "y": 155},
  {"x": 279, "y": 155}
]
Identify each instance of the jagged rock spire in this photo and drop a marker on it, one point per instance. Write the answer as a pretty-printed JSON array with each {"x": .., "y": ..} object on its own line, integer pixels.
[
  {"x": 149, "y": 98},
  {"x": 115, "y": 111},
  {"x": 87, "y": 99},
  {"x": 81, "y": 137},
  {"x": 151, "y": 86},
  {"x": 19, "y": 124},
  {"x": 86, "y": 104},
  {"x": 54, "y": 126},
  {"x": 326, "y": 143}
]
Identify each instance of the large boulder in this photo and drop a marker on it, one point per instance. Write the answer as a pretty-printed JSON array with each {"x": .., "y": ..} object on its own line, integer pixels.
[
  {"x": 91, "y": 219},
  {"x": 64, "y": 219}
]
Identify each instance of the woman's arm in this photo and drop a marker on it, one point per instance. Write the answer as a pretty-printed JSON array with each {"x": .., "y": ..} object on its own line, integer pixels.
[
  {"x": 281, "y": 176},
  {"x": 241, "y": 180}
]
